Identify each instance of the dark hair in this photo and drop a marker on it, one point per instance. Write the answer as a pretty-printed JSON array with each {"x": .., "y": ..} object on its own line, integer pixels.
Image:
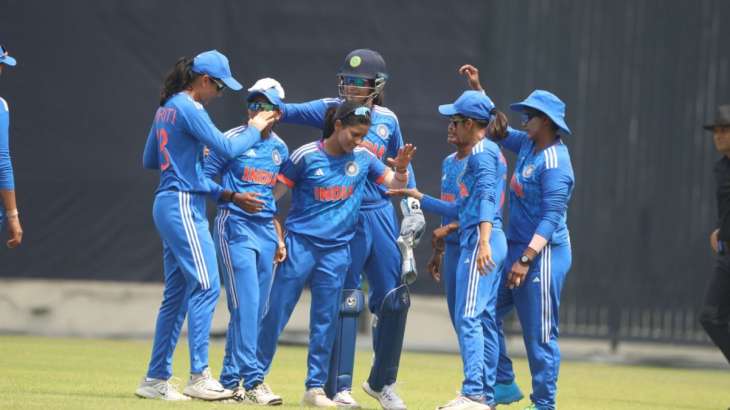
[
  {"x": 497, "y": 127},
  {"x": 178, "y": 79},
  {"x": 346, "y": 114}
]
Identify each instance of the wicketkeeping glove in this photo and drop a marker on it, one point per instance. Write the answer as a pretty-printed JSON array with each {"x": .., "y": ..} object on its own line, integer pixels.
[{"x": 414, "y": 224}]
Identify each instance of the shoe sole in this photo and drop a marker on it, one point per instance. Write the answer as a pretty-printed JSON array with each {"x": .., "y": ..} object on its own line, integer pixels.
[
  {"x": 156, "y": 397},
  {"x": 210, "y": 398}
]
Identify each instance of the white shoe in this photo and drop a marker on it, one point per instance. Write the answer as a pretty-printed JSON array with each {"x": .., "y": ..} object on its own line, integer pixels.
[
  {"x": 315, "y": 397},
  {"x": 239, "y": 395},
  {"x": 159, "y": 389},
  {"x": 388, "y": 398},
  {"x": 345, "y": 400},
  {"x": 203, "y": 386},
  {"x": 262, "y": 394},
  {"x": 464, "y": 403}
]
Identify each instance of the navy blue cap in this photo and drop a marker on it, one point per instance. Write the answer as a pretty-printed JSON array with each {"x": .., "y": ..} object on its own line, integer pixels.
[
  {"x": 215, "y": 65},
  {"x": 471, "y": 104},
  {"x": 364, "y": 63},
  {"x": 548, "y": 104},
  {"x": 5, "y": 58}
]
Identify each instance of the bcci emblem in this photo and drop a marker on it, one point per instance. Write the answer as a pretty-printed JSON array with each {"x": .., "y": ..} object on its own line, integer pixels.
[
  {"x": 351, "y": 168},
  {"x": 382, "y": 131},
  {"x": 276, "y": 157},
  {"x": 350, "y": 302},
  {"x": 528, "y": 171}
]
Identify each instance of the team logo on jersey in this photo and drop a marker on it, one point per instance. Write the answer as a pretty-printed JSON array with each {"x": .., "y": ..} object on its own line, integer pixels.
[
  {"x": 351, "y": 168},
  {"x": 528, "y": 171},
  {"x": 276, "y": 157},
  {"x": 382, "y": 131}
]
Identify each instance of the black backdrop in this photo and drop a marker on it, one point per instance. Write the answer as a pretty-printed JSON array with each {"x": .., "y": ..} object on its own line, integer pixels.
[{"x": 639, "y": 78}]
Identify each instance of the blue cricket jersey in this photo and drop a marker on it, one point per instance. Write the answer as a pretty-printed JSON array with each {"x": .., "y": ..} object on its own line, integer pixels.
[
  {"x": 481, "y": 190},
  {"x": 179, "y": 133},
  {"x": 7, "y": 180},
  {"x": 540, "y": 190},
  {"x": 451, "y": 170},
  {"x": 255, "y": 170},
  {"x": 383, "y": 139},
  {"x": 327, "y": 191}
]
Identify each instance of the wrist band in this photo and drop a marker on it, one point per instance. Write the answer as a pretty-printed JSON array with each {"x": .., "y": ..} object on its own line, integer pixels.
[{"x": 13, "y": 213}]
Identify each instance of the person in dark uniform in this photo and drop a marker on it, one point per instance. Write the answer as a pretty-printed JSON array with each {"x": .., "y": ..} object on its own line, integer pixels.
[{"x": 715, "y": 316}]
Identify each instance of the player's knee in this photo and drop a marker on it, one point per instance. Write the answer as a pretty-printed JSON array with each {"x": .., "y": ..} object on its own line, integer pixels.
[
  {"x": 396, "y": 301},
  {"x": 353, "y": 302}
]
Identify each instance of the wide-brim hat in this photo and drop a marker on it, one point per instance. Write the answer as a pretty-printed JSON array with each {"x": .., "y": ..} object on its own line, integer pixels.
[
  {"x": 548, "y": 104},
  {"x": 722, "y": 118}
]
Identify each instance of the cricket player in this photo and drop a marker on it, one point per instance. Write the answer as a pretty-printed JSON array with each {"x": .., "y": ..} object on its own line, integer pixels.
[
  {"x": 362, "y": 79},
  {"x": 539, "y": 242},
  {"x": 9, "y": 211},
  {"x": 327, "y": 179},
  {"x": 445, "y": 238},
  {"x": 483, "y": 247},
  {"x": 248, "y": 243},
  {"x": 180, "y": 130}
]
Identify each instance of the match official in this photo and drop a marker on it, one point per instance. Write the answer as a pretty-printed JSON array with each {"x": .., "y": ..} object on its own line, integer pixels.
[{"x": 715, "y": 316}]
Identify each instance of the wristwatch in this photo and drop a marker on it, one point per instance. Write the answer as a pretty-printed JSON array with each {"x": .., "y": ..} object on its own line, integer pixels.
[{"x": 525, "y": 260}]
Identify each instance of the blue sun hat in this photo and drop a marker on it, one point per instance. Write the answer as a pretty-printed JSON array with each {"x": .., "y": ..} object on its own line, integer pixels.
[
  {"x": 271, "y": 89},
  {"x": 548, "y": 104},
  {"x": 215, "y": 65},
  {"x": 5, "y": 57},
  {"x": 472, "y": 104}
]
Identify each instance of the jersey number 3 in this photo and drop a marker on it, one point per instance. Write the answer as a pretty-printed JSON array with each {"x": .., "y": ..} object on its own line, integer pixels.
[{"x": 162, "y": 140}]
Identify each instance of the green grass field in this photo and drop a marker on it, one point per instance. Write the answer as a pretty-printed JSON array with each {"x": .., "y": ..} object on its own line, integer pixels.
[{"x": 47, "y": 373}]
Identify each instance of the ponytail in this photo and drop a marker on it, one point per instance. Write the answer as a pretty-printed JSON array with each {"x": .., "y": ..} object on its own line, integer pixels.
[
  {"x": 329, "y": 122},
  {"x": 497, "y": 127},
  {"x": 178, "y": 79}
]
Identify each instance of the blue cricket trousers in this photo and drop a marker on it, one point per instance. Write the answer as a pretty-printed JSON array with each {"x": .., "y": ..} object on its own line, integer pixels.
[
  {"x": 191, "y": 280},
  {"x": 537, "y": 301},
  {"x": 475, "y": 316},
  {"x": 245, "y": 247},
  {"x": 323, "y": 269}
]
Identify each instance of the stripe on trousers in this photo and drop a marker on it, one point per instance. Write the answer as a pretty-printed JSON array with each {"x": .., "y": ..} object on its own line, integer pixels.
[
  {"x": 192, "y": 236},
  {"x": 546, "y": 301},
  {"x": 471, "y": 291},
  {"x": 226, "y": 255}
]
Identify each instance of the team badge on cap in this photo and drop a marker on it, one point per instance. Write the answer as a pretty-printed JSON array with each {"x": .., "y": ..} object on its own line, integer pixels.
[
  {"x": 382, "y": 131},
  {"x": 276, "y": 157},
  {"x": 355, "y": 61},
  {"x": 351, "y": 168},
  {"x": 527, "y": 172}
]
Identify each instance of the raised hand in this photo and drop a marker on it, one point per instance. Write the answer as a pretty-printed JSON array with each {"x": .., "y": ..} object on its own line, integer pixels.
[
  {"x": 404, "y": 157},
  {"x": 472, "y": 76}
]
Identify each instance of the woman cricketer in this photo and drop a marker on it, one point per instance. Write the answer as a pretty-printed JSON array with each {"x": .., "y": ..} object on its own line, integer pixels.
[{"x": 180, "y": 131}]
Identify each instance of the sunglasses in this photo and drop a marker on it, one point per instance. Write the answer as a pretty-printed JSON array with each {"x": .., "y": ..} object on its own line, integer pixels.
[
  {"x": 3, "y": 51},
  {"x": 456, "y": 120},
  {"x": 529, "y": 115},
  {"x": 218, "y": 83},
  {"x": 262, "y": 106},
  {"x": 356, "y": 81}
]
